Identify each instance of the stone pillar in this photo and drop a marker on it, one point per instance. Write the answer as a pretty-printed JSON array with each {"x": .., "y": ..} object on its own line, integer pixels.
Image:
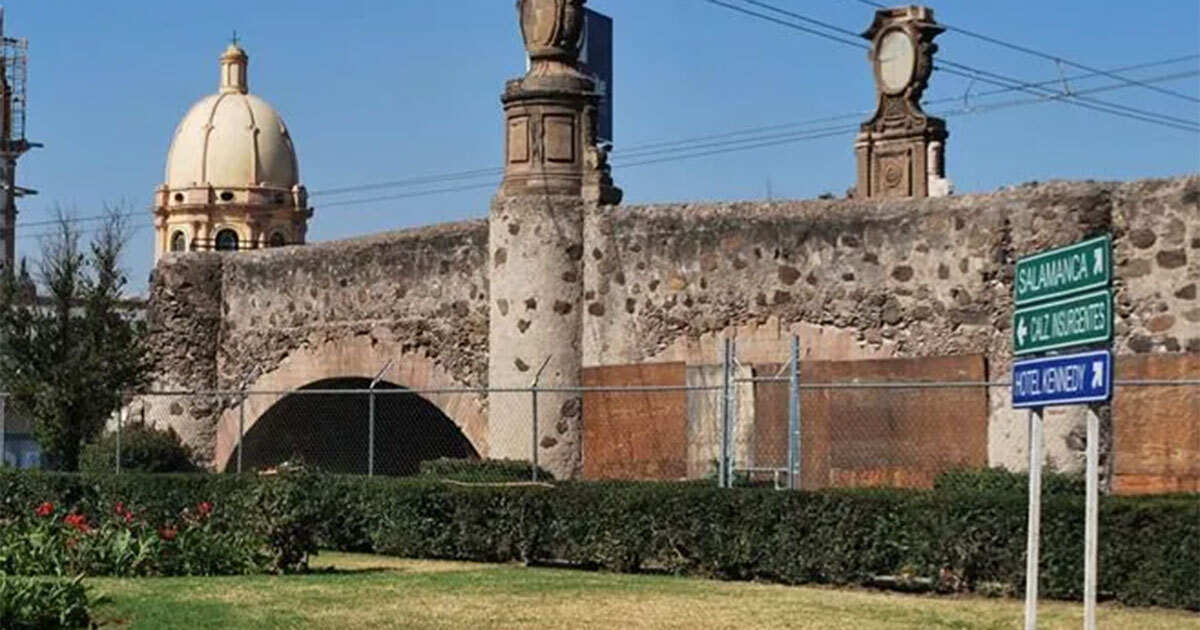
[
  {"x": 554, "y": 171},
  {"x": 184, "y": 326}
]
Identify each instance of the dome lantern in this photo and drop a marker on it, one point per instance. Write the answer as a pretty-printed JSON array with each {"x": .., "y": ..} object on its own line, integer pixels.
[{"x": 233, "y": 69}]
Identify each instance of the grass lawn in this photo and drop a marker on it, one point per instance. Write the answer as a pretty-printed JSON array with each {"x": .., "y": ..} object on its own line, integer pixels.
[{"x": 365, "y": 592}]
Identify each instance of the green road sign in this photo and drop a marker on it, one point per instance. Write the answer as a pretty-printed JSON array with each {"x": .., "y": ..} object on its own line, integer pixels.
[
  {"x": 1059, "y": 272},
  {"x": 1074, "y": 321}
]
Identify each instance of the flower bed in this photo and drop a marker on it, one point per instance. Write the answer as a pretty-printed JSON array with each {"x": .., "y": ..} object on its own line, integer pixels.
[{"x": 125, "y": 541}]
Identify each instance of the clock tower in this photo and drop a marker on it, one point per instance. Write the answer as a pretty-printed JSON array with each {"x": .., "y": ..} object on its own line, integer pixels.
[{"x": 900, "y": 150}]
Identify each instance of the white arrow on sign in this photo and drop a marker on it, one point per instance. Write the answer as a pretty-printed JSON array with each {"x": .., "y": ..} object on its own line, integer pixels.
[
  {"x": 1097, "y": 374},
  {"x": 1021, "y": 331},
  {"x": 1098, "y": 268}
]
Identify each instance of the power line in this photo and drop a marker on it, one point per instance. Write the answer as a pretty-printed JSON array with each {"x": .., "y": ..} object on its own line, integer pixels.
[
  {"x": 768, "y": 18},
  {"x": 400, "y": 183},
  {"x": 1092, "y": 104},
  {"x": 1135, "y": 113},
  {"x": 687, "y": 148},
  {"x": 1068, "y": 62},
  {"x": 760, "y": 142},
  {"x": 424, "y": 193},
  {"x": 1103, "y": 88},
  {"x": 670, "y": 145},
  {"x": 696, "y": 149}
]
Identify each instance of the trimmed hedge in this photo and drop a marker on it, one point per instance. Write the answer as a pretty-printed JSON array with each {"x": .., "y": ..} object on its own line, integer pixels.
[
  {"x": 482, "y": 470},
  {"x": 999, "y": 480},
  {"x": 961, "y": 541}
]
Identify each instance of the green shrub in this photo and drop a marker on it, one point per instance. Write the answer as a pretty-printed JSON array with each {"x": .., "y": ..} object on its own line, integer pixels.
[
  {"x": 482, "y": 470},
  {"x": 960, "y": 540},
  {"x": 42, "y": 603},
  {"x": 144, "y": 449},
  {"x": 1001, "y": 481},
  {"x": 287, "y": 509}
]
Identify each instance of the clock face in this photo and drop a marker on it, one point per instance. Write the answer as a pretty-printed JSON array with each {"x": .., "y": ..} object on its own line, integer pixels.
[{"x": 897, "y": 58}]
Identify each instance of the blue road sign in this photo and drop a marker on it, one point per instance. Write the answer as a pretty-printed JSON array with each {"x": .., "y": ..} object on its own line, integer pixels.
[{"x": 1062, "y": 380}]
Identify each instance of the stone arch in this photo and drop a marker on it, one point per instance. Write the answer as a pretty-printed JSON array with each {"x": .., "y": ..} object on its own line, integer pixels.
[
  {"x": 330, "y": 430},
  {"x": 357, "y": 356}
]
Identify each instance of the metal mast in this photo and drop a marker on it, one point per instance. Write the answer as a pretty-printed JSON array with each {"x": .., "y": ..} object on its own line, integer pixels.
[{"x": 13, "y": 144}]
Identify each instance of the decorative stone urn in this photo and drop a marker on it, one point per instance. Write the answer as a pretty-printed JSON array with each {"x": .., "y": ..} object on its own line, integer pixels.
[{"x": 552, "y": 28}]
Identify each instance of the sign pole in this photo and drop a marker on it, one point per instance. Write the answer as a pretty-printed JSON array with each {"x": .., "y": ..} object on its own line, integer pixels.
[
  {"x": 1092, "y": 519},
  {"x": 1035, "y": 518}
]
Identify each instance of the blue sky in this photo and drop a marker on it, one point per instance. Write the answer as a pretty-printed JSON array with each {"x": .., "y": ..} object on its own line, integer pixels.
[{"x": 377, "y": 90}]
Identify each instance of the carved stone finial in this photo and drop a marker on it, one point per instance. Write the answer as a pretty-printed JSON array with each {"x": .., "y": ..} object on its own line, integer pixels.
[{"x": 552, "y": 29}]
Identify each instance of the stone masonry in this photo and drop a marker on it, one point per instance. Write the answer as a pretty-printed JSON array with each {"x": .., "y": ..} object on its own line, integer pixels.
[{"x": 855, "y": 278}]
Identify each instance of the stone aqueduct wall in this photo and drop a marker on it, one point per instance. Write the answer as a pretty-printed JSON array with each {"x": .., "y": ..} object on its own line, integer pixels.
[
  {"x": 288, "y": 317},
  {"x": 665, "y": 283}
]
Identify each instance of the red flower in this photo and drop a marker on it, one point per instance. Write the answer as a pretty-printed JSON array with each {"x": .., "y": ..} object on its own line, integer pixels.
[
  {"x": 119, "y": 509},
  {"x": 204, "y": 508},
  {"x": 167, "y": 533},
  {"x": 45, "y": 509},
  {"x": 129, "y": 517},
  {"x": 78, "y": 521}
]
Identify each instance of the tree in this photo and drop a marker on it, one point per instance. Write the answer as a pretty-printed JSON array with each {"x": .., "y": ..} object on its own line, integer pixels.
[
  {"x": 68, "y": 357},
  {"x": 144, "y": 449}
]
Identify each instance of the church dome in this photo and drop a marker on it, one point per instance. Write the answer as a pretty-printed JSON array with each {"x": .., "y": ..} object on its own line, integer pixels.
[{"x": 232, "y": 139}]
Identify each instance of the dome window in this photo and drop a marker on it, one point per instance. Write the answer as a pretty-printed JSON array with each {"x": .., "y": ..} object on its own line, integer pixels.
[
  {"x": 178, "y": 242},
  {"x": 179, "y": 197},
  {"x": 226, "y": 196},
  {"x": 227, "y": 241},
  {"x": 277, "y": 240}
]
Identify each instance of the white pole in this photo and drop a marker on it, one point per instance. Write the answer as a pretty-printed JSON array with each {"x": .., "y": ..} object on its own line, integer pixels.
[
  {"x": 1035, "y": 518},
  {"x": 1092, "y": 520}
]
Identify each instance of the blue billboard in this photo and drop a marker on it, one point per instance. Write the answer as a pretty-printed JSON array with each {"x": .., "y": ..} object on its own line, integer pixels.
[
  {"x": 1063, "y": 380},
  {"x": 597, "y": 57}
]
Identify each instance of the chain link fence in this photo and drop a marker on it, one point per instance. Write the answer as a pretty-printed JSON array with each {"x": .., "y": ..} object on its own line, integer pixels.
[{"x": 800, "y": 425}]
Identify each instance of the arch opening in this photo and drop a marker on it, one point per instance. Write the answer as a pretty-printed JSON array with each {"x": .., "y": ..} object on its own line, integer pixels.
[
  {"x": 227, "y": 240},
  {"x": 331, "y": 431}
]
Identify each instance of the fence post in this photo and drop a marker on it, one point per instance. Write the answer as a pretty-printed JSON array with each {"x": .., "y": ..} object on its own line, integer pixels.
[
  {"x": 120, "y": 427},
  {"x": 3, "y": 460},
  {"x": 794, "y": 416},
  {"x": 241, "y": 424},
  {"x": 533, "y": 390},
  {"x": 371, "y": 431},
  {"x": 724, "y": 475},
  {"x": 371, "y": 418}
]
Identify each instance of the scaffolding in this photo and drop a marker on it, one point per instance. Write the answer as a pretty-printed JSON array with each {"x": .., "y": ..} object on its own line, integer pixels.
[{"x": 14, "y": 56}]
